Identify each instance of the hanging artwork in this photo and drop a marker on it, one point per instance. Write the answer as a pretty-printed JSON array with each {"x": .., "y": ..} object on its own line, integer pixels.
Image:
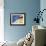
[{"x": 17, "y": 19}]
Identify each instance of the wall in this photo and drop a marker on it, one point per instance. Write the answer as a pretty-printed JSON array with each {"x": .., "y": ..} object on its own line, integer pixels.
[
  {"x": 43, "y": 6},
  {"x": 30, "y": 7}
]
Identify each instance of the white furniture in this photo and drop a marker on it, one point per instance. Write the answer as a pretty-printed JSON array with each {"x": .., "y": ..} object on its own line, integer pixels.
[{"x": 39, "y": 35}]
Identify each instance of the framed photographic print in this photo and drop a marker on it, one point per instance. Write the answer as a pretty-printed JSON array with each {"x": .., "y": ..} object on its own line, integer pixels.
[{"x": 17, "y": 19}]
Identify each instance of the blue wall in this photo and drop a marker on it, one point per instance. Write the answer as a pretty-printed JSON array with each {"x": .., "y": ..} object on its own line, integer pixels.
[
  {"x": 43, "y": 6},
  {"x": 30, "y": 7}
]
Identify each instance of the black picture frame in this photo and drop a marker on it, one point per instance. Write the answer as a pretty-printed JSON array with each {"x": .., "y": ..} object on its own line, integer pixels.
[{"x": 17, "y": 19}]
